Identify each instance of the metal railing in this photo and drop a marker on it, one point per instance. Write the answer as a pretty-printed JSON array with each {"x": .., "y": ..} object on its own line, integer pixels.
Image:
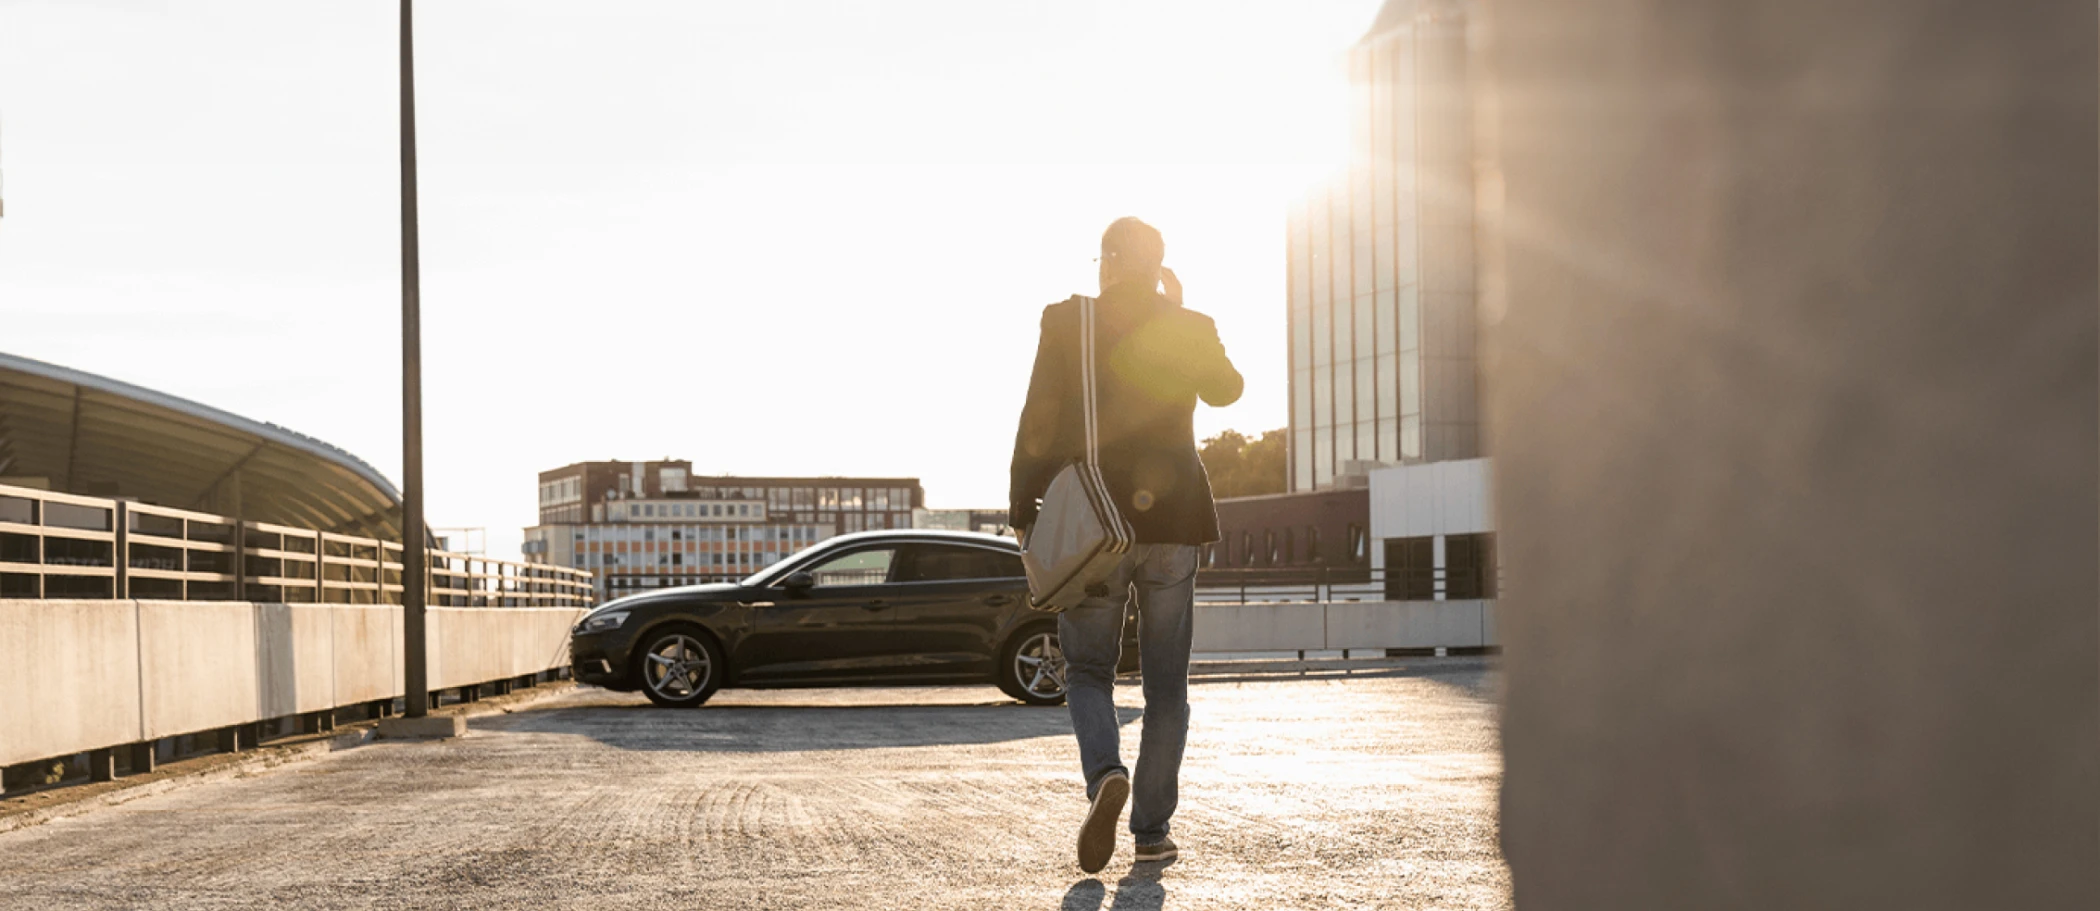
[
  {"x": 55, "y": 545},
  {"x": 1255, "y": 585}
]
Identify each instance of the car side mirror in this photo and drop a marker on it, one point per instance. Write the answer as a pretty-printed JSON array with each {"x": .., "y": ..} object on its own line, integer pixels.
[{"x": 799, "y": 582}]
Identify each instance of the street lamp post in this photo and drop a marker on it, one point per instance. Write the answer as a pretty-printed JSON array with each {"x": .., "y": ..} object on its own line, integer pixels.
[{"x": 414, "y": 556}]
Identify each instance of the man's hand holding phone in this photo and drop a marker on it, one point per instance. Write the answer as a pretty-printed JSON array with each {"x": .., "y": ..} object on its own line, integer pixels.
[{"x": 1170, "y": 285}]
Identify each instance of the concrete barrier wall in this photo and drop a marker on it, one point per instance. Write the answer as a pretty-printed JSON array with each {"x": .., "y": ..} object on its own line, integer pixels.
[
  {"x": 198, "y": 663},
  {"x": 368, "y": 664},
  {"x": 1408, "y": 624},
  {"x": 508, "y": 643},
  {"x": 83, "y": 675},
  {"x": 1260, "y": 627},
  {"x": 1309, "y": 625},
  {"x": 68, "y": 675}
]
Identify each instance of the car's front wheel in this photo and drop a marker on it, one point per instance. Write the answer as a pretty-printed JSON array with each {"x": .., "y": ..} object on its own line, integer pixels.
[
  {"x": 679, "y": 666},
  {"x": 1032, "y": 667}
]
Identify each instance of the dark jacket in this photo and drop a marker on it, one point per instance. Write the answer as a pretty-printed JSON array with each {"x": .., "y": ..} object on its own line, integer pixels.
[{"x": 1155, "y": 360}]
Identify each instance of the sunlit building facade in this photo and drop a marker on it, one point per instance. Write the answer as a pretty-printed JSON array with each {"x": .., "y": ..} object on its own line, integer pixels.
[
  {"x": 1381, "y": 265},
  {"x": 983, "y": 521},
  {"x": 642, "y": 525}
]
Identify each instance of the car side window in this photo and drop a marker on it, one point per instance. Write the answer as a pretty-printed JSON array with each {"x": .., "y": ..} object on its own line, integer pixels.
[
  {"x": 948, "y": 563},
  {"x": 861, "y": 567}
]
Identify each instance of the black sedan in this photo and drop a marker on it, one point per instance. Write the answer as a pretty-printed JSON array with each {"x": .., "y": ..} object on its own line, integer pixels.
[{"x": 888, "y": 608}]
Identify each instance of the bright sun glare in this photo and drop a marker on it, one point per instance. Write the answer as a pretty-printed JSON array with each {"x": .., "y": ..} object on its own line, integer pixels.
[{"x": 627, "y": 216}]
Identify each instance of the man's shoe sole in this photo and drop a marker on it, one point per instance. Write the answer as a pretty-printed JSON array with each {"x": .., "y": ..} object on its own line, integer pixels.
[
  {"x": 1160, "y": 857},
  {"x": 1097, "y": 836}
]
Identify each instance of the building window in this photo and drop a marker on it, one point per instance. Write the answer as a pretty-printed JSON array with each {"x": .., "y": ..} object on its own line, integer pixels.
[
  {"x": 1268, "y": 546},
  {"x": 1290, "y": 545},
  {"x": 1312, "y": 545},
  {"x": 677, "y": 559},
  {"x": 1410, "y": 569},
  {"x": 1359, "y": 544},
  {"x": 1246, "y": 548},
  {"x": 1469, "y": 566}
]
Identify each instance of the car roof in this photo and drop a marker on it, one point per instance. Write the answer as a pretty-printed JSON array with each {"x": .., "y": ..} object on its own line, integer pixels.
[{"x": 923, "y": 535}]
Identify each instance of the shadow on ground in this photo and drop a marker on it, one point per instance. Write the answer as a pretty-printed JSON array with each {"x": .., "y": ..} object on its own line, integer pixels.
[
  {"x": 795, "y": 728},
  {"x": 1140, "y": 890}
]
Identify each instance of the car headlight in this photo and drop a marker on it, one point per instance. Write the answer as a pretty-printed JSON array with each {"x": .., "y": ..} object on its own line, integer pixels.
[{"x": 598, "y": 623}]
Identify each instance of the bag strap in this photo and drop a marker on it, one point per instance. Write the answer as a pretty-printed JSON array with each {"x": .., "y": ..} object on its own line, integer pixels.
[
  {"x": 1090, "y": 406},
  {"x": 1120, "y": 534}
]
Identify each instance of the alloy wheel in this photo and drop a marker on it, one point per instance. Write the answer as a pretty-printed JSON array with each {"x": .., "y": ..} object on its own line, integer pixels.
[
  {"x": 678, "y": 667},
  {"x": 1039, "y": 664}
]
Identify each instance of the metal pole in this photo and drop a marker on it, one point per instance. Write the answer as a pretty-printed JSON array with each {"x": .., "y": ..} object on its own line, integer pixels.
[
  {"x": 239, "y": 554},
  {"x": 412, "y": 550}
]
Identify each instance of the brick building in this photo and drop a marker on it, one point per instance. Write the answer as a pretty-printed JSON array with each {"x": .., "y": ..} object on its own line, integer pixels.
[{"x": 642, "y": 525}]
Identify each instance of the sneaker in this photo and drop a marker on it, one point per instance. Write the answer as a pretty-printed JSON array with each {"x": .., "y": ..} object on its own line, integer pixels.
[
  {"x": 1159, "y": 851},
  {"x": 1097, "y": 835}
]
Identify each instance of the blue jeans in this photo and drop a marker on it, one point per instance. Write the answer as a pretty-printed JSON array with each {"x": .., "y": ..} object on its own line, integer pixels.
[{"x": 1091, "y": 636}]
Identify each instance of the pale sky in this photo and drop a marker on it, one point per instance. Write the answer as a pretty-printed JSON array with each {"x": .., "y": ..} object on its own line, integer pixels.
[{"x": 775, "y": 238}]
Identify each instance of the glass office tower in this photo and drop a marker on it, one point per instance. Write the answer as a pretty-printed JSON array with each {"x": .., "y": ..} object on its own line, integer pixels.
[{"x": 1381, "y": 288}]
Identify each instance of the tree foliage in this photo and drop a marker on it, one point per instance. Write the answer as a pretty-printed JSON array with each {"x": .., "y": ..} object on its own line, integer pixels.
[{"x": 1242, "y": 467}]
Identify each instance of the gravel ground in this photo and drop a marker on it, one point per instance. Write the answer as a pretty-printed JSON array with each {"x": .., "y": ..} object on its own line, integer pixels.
[{"x": 1361, "y": 792}]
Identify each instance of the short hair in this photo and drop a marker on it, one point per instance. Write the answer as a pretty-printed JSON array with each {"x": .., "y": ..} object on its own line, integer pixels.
[{"x": 1133, "y": 245}]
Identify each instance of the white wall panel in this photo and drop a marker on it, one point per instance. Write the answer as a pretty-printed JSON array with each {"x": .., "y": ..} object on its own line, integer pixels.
[
  {"x": 1261, "y": 627},
  {"x": 1436, "y": 498},
  {"x": 1406, "y": 624}
]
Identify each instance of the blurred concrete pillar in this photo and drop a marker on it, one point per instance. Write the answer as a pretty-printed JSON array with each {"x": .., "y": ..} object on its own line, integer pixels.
[{"x": 1794, "y": 382}]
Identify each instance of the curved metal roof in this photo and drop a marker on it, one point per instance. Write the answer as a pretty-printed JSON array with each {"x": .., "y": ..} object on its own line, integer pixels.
[{"x": 91, "y": 435}]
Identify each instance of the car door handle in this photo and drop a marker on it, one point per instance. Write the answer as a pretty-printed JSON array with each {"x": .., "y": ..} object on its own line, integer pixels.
[
  {"x": 877, "y": 604},
  {"x": 998, "y": 600}
]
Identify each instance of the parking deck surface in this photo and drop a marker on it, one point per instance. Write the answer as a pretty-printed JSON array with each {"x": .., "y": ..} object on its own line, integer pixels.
[{"x": 1357, "y": 792}]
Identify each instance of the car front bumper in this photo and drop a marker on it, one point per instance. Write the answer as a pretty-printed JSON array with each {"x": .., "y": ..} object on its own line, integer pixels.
[{"x": 600, "y": 659}]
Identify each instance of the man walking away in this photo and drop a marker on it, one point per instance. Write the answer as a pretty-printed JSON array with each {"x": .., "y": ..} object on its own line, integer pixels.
[{"x": 1154, "y": 361}]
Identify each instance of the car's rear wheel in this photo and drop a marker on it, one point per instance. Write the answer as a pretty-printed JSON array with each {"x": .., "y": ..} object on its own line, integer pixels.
[
  {"x": 679, "y": 666},
  {"x": 1032, "y": 667}
]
